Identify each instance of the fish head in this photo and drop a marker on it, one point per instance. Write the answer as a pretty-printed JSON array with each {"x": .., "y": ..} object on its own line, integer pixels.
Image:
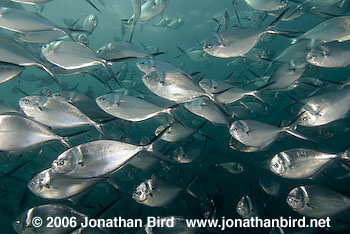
[
  {"x": 21, "y": 223},
  {"x": 212, "y": 46},
  {"x": 282, "y": 3},
  {"x": 280, "y": 163},
  {"x": 108, "y": 101},
  {"x": 145, "y": 65},
  {"x": 153, "y": 80},
  {"x": 91, "y": 21},
  {"x": 179, "y": 154},
  {"x": 306, "y": 119},
  {"x": 208, "y": 85},
  {"x": 106, "y": 50},
  {"x": 39, "y": 182},
  {"x": 142, "y": 192},
  {"x": 239, "y": 129},
  {"x": 50, "y": 48},
  {"x": 317, "y": 56},
  {"x": 244, "y": 207},
  {"x": 297, "y": 198},
  {"x": 82, "y": 38},
  {"x": 68, "y": 161},
  {"x": 31, "y": 104}
]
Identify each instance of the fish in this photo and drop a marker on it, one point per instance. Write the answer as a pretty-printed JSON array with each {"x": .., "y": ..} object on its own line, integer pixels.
[
  {"x": 175, "y": 24},
  {"x": 317, "y": 202},
  {"x": 245, "y": 207},
  {"x": 52, "y": 185},
  {"x": 333, "y": 29},
  {"x": 270, "y": 186},
  {"x": 187, "y": 153},
  {"x": 19, "y": 133},
  {"x": 286, "y": 76},
  {"x": 84, "y": 103},
  {"x": 325, "y": 108},
  {"x": 130, "y": 108},
  {"x": 98, "y": 158},
  {"x": 214, "y": 86},
  {"x": 163, "y": 22},
  {"x": 13, "y": 53},
  {"x": 175, "y": 132},
  {"x": 72, "y": 55},
  {"x": 55, "y": 113},
  {"x": 26, "y": 222},
  {"x": 195, "y": 54},
  {"x": 233, "y": 167},
  {"x": 331, "y": 55},
  {"x": 234, "y": 94},
  {"x": 267, "y": 5},
  {"x": 9, "y": 71},
  {"x": 238, "y": 41},
  {"x": 136, "y": 4},
  {"x": 32, "y": 2},
  {"x": 259, "y": 135},
  {"x": 205, "y": 108},
  {"x": 302, "y": 163},
  {"x": 151, "y": 65},
  {"x": 152, "y": 8},
  {"x": 25, "y": 21},
  {"x": 157, "y": 192},
  {"x": 120, "y": 51},
  {"x": 174, "y": 86}
]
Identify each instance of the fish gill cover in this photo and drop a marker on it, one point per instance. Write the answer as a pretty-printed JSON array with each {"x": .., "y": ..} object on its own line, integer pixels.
[{"x": 175, "y": 110}]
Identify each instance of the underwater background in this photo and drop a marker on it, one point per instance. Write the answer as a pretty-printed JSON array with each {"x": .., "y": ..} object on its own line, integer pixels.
[{"x": 217, "y": 190}]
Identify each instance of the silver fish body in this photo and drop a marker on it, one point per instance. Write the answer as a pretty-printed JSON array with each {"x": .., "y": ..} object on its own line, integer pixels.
[
  {"x": 52, "y": 185},
  {"x": 317, "y": 202}
]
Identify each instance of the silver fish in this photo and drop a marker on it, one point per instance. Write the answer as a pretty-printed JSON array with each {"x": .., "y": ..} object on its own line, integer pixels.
[
  {"x": 156, "y": 193},
  {"x": 317, "y": 202},
  {"x": 96, "y": 158},
  {"x": 214, "y": 86},
  {"x": 150, "y": 65},
  {"x": 31, "y": 2},
  {"x": 324, "y": 108},
  {"x": 173, "y": 86},
  {"x": 24, "y": 21},
  {"x": 25, "y": 223},
  {"x": 284, "y": 77},
  {"x": 71, "y": 55},
  {"x": 332, "y": 54},
  {"x": 269, "y": 185},
  {"x": 205, "y": 108},
  {"x": 52, "y": 185},
  {"x": 234, "y": 42},
  {"x": 302, "y": 163},
  {"x": 152, "y": 8},
  {"x": 136, "y": 4},
  {"x": 175, "y": 132},
  {"x": 9, "y": 71},
  {"x": 233, "y": 167},
  {"x": 84, "y": 103},
  {"x": 19, "y": 133},
  {"x": 334, "y": 29},
  {"x": 245, "y": 207},
  {"x": 267, "y": 5},
  {"x": 129, "y": 108},
  {"x": 175, "y": 24},
  {"x": 121, "y": 50},
  {"x": 55, "y": 113},
  {"x": 234, "y": 94},
  {"x": 258, "y": 134},
  {"x": 12, "y": 52}
]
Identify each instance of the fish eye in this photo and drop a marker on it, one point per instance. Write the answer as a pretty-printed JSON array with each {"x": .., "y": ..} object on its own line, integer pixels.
[
  {"x": 304, "y": 118},
  {"x": 25, "y": 100},
  {"x": 102, "y": 99},
  {"x": 142, "y": 63},
  {"x": 148, "y": 77},
  {"x": 18, "y": 222},
  {"x": 209, "y": 46},
  {"x": 138, "y": 193},
  {"x": 99, "y": 51},
  {"x": 60, "y": 162}
]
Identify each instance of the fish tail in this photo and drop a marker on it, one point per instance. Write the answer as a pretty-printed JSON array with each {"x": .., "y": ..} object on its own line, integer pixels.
[
  {"x": 257, "y": 95},
  {"x": 98, "y": 128},
  {"x": 288, "y": 130},
  {"x": 219, "y": 105},
  {"x": 345, "y": 155},
  {"x": 48, "y": 70},
  {"x": 132, "y": 32},
  {"x": 64, "y": 142}
]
